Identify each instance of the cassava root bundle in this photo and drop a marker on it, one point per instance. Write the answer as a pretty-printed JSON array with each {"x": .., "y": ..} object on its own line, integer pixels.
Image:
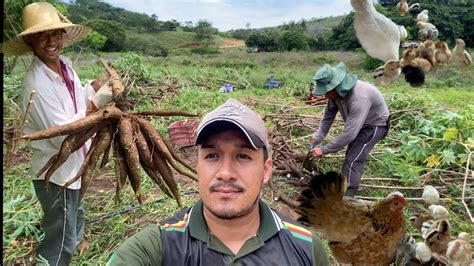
[{"x": 134, "y": 140}]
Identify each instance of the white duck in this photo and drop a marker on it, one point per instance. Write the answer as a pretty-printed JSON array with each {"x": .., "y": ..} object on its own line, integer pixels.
[
  {"x": 378, "y": 35},
  {"x": 423, "y": 16}
]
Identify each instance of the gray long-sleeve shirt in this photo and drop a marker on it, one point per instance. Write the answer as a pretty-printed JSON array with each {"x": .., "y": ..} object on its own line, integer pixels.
[{"x": 363, "y": 106}]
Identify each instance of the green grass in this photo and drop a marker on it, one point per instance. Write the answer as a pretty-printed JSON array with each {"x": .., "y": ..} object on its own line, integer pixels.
[{"x": 199, "y": 78}]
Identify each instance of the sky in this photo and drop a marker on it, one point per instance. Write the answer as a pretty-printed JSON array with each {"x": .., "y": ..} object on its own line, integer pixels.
[{"x": 235, "y": 14}]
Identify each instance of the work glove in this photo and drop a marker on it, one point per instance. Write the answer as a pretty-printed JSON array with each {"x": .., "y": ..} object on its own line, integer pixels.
[{"x": 103, "y": 96}]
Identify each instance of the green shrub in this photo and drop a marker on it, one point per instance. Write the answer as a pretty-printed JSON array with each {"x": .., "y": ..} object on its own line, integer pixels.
[
  {"x": 131, "y": 63},
  {"x": 180, "y": 52},
  {"x": 324, "y": 59}
]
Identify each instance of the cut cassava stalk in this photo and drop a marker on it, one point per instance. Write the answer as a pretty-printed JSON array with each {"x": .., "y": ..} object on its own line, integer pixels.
[
  {"x": 165, "y": 172},
  {"x": 148, "y": 130},
  {"x": 77, "y": 126},
  {"x": 131, "y": 154},
  {"x": 163, "y": 113},
  {"x": 116, "y": 83}
]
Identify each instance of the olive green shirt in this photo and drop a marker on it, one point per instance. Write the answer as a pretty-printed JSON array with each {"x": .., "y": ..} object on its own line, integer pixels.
[{"x": 146, "y": 247}]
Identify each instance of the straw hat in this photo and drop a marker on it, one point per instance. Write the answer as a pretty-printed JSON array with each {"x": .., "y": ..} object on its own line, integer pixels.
[{"x": 39, "y": 17}]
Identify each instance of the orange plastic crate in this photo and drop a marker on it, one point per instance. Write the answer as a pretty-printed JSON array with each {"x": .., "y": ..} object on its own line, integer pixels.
[{"x": 183, "y": 133}]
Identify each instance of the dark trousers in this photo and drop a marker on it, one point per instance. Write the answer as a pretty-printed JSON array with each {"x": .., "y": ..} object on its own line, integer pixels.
[
  {"x": 63, "y": 222},
  {"x": 357, "y": 151}
]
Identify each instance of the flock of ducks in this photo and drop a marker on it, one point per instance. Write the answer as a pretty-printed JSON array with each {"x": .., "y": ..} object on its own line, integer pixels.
[{"x": 381, "y": 37}]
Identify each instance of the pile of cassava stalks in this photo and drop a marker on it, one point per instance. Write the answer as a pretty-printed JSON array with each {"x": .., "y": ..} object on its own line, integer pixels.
[{"x": 134, "y": 141}]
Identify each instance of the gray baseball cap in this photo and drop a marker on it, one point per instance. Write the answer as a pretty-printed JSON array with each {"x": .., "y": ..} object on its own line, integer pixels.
[{"x": 234, "y": 112}]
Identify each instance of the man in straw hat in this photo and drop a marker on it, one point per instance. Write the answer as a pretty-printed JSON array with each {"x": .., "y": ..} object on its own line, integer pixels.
[
  {"x": 230, "y": 224},
  {"x": 60, "y": 99},
  {"x": 365, "y": 115}
]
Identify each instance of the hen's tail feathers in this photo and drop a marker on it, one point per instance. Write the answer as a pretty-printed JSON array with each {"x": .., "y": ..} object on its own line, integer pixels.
[
  {"x": 322, "y": 187},
  {"x": 414, "y": 75}
]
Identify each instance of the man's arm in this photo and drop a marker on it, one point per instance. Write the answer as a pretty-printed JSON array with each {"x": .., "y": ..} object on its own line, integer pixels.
[
  {"x": 143, "y": 248},
  {"x": 358, "y": 111},
  {"x": 329, "y": 114}
]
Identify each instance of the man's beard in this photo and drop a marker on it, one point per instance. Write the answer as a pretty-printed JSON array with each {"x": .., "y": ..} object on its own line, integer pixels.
[{"x": 228, "y": 214}]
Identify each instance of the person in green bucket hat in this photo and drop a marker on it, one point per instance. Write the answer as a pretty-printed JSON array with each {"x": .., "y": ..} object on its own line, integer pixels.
[{"x": 365, "y": 115}]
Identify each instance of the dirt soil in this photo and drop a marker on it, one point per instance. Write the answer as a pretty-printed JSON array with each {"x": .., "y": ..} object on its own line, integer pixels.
[{"x": 232, "y": 43}]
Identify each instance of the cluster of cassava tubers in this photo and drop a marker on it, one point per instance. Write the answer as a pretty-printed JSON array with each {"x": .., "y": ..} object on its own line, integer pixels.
[{"x": 134, "y": 140}]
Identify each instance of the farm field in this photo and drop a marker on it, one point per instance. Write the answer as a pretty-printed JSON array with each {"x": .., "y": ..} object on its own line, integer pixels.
[{"x": 431, "y": 141}]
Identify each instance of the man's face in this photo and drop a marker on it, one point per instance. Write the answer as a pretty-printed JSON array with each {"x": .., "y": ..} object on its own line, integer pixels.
[
  {"x": 332, "y": 95},
  {"x": 47, "y": 45},
  {"x": 231, "y": 174}
]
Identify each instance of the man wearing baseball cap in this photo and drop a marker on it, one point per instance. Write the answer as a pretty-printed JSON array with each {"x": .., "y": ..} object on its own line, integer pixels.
[
  {"x": 230, "y": 224},
  {"x": 365, "y": 115},
  {"x": 58, "y": 99}
]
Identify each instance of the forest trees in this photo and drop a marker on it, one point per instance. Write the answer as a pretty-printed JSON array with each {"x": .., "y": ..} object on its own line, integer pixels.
[{"x": 113, "y": 31}]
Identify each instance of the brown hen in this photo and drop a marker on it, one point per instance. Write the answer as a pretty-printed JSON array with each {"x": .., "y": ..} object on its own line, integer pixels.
[{"x": 358, "y": 231}]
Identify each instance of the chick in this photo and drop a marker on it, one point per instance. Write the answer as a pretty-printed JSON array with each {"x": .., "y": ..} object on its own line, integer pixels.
[
  {"x": 414, "y": 10},
  {"x": 414, "y": 75},
  {"x": 402, "y": 7},
  {"x": 408, "y": 55},
  {"x": 428, "y": 34},
  {"x": 427, "y": 31},
  {"x": 423, "y": 16},
  {"x": 418, "y": 219},
  {"x": 423, "y": 63},
  {"x": 463, "y": 58},
  {"x": 459, "y": 251},
  {"x": 426, "y": 228},
  {"x": 386, "y": 74},
  {"x": 430, "y": 195},
  {"x": 405, "y": 251},
  {"x": 438, "y": 212},
  {"x": 422, "y": 252},
  {"x": 439, "y": 237},
  {"x": 442, "y": 53},
  {"x": 426, "y": 50}
]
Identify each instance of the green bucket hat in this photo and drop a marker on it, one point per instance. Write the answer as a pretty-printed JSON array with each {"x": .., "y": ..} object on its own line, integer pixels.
[{"x": 328, "y": 78}]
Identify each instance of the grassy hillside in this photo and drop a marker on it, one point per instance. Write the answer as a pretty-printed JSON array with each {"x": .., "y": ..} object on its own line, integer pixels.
[
  {"x": 322, "y": 26},
  {"x": 174, "y": 39}
]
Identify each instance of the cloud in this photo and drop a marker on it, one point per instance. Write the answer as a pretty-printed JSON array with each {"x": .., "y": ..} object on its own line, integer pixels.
[{"x": 233, "y": 14}]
